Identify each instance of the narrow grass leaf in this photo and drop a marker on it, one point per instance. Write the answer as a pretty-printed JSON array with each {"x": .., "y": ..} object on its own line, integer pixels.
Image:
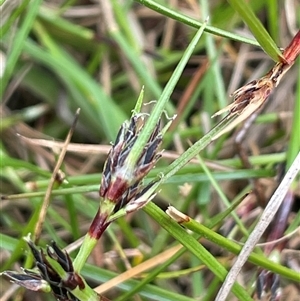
[
  {"x": 213, "y": 54},
  {"x": 164, "y": 98},
  {"x": 256, "y": 27},
  {"x": 235, "y": 248},
  {"x": 194, "y": 247},
  {"x": 195, "y": 23},
  {"x": 150, "y": 291}
]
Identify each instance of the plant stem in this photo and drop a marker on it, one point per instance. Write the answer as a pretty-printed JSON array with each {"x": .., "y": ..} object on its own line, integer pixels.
[
  {"x": 163, "y": 10},
  {"x": 85, "y": 250},
  {"x": 236, "y": 249},
  {"x": 86, "y": 294},
  {"x": 161, "y": 103}
]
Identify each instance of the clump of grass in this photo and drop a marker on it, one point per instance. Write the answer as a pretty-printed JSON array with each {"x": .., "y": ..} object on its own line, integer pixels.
[{"x": 64, "y": 57}]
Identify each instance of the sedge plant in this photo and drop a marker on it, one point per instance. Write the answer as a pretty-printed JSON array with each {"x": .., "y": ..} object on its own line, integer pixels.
[{"x": 134, "y": 153}]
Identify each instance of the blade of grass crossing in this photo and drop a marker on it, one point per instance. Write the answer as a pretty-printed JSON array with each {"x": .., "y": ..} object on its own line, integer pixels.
[
  {"x": 235, "y": 248},
  {"x": 154, "y": 5},
  {"x": 256, "y": 27},
  {"x": 194, "y": 247},
  {"x": 164, "y": 98}
]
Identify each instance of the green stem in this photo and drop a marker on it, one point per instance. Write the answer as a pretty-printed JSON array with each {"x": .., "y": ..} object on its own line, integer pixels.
[
  {"x": 235, "y": 248},
  {"x": 161, "y": 103},
  {"x": 195, "y": 149},
  {"x": 245, "y": 11},
  {"x": 222, "y": 195},
  {"x": 85, "y": 250},
  {"x": 97, "y": 227},
  {"x": 163, "y": 10},
  {"x": 86, "y": 294},
  {"x": 194, "y": 247}
]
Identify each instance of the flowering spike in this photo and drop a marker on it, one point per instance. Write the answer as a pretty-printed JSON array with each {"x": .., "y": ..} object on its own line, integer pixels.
[
  {"x": 54, "y": 273},
  {"x": 119, "y": 184},
  {"x": 121, "y": 189},
  {"x": 252, "y": 96}
]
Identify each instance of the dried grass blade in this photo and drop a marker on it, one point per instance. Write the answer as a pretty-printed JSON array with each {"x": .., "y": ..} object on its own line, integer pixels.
[
  {"x": 260, "y": 228},
  {"x": 43, "y": 211}
]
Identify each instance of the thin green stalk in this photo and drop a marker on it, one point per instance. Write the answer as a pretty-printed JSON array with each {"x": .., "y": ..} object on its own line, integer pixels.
[
  {"x": 122, "y": 17},
  {"x": 161, "y": 103},
  {"x": 151, "y": 276},
  {"x": 273, "y": 12},
  {"x": 86, "y": 248},
  {"x": 194, "y": 247},
  {"x": 194, "y": 23},
  {"x": 193, "y": 150},
  {"x": 264, "y": 39},
  {"x": 64, "y": 191},
  {"x": 235, "y": 248},
  {"x": 86, "y": 294}
]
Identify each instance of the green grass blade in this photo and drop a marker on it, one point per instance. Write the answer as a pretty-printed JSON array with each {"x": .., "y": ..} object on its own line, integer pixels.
[
  {"x": 256, "y": 27},
  {"x": 193, "y": 246},
  {"x": 235, "y": 248},
  {"x": 164, "y": 98},
  {"x": 195, "y": 23}
]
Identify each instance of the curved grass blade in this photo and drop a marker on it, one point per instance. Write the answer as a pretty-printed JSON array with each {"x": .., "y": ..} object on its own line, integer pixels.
[{"x": 256, "y": 27}]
